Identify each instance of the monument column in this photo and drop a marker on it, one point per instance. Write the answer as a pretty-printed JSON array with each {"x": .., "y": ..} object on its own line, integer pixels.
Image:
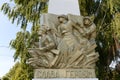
[
  {"x": 64, "y": 7},
  {"x": 67, "y": 44}
]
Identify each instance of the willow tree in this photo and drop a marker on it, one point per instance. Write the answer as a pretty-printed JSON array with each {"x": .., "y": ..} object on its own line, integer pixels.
[
  {"x": 106, "y": 17},
  {"x": 105, "y": 14},
  {"x": 26, "y": 13}
]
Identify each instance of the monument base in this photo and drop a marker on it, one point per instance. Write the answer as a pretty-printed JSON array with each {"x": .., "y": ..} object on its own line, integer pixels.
[
  {"x": 69, "y": 79},
  {"x": 64, "y": 73}
]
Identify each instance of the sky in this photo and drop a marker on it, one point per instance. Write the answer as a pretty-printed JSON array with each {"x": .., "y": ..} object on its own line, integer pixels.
[{"x": 7, "y": 33}]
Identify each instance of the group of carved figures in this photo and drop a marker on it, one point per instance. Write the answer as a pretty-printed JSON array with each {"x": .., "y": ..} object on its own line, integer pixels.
[{"x": 68, "y": 45}]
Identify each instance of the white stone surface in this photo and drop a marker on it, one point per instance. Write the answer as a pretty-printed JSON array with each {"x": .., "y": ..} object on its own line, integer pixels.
[
  {"x": 64, "y": 7},
  {"x": 64, "y": 73},
  {"x": 69, "y": 79}
]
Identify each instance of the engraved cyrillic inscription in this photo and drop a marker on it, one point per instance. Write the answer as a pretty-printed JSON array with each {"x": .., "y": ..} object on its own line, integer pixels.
[{"x": 64, "y": 73}]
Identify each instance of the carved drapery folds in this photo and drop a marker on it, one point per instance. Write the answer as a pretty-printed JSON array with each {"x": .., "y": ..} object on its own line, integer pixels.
[{"x": 66, "y": 41}]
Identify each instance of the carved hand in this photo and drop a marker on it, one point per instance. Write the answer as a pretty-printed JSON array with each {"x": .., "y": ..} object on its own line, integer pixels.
[{"x": 43, "y": 48}]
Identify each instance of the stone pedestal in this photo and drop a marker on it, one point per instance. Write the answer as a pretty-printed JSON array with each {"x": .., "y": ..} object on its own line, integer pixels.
[
  {"x": 69, "y": 79},
  {"x": 64, "y": 74},
  {"x": 67, "y": 74}
]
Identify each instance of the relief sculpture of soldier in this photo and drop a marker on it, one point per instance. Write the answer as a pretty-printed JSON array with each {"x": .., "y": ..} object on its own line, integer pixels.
[
  {"x": 46, "y": 51},
  {"x": 90, "y": 34},
  {"x": 71, "y": 49},
  {"x": 89, "y": 29},
  {"x": 69, "y": 45}
]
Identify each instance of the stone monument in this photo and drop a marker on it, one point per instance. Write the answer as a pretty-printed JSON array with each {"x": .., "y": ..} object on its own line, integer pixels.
[{"x": 66, "y": 47}]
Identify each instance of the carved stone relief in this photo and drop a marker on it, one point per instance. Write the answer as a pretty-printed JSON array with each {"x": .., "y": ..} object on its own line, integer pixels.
[{"x": 66, "y": 42}]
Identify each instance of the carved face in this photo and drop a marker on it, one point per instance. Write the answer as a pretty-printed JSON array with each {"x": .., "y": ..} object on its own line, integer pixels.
[
  {"x": 87, "y": 22},
  {"x": 61, "y": 19},
  {"x": 42, "y": 32}
]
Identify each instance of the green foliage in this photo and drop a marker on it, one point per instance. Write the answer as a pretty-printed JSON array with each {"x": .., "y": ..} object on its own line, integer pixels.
[
  {"x": 27, "y": 14},
  {"x": 19, "y": 72},
  {"x": 116, "y": 75},
  {"x": 20, "y": 44},
  {"x": 25, "y": 11},
  {"x": 88, "y": 7},
  {"x": 106, "y": 17},
  {"x": 115, "y": 24}
]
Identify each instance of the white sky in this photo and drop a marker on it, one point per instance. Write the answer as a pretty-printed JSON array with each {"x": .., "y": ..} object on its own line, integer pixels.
[{"x": 7, "y": 32}]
